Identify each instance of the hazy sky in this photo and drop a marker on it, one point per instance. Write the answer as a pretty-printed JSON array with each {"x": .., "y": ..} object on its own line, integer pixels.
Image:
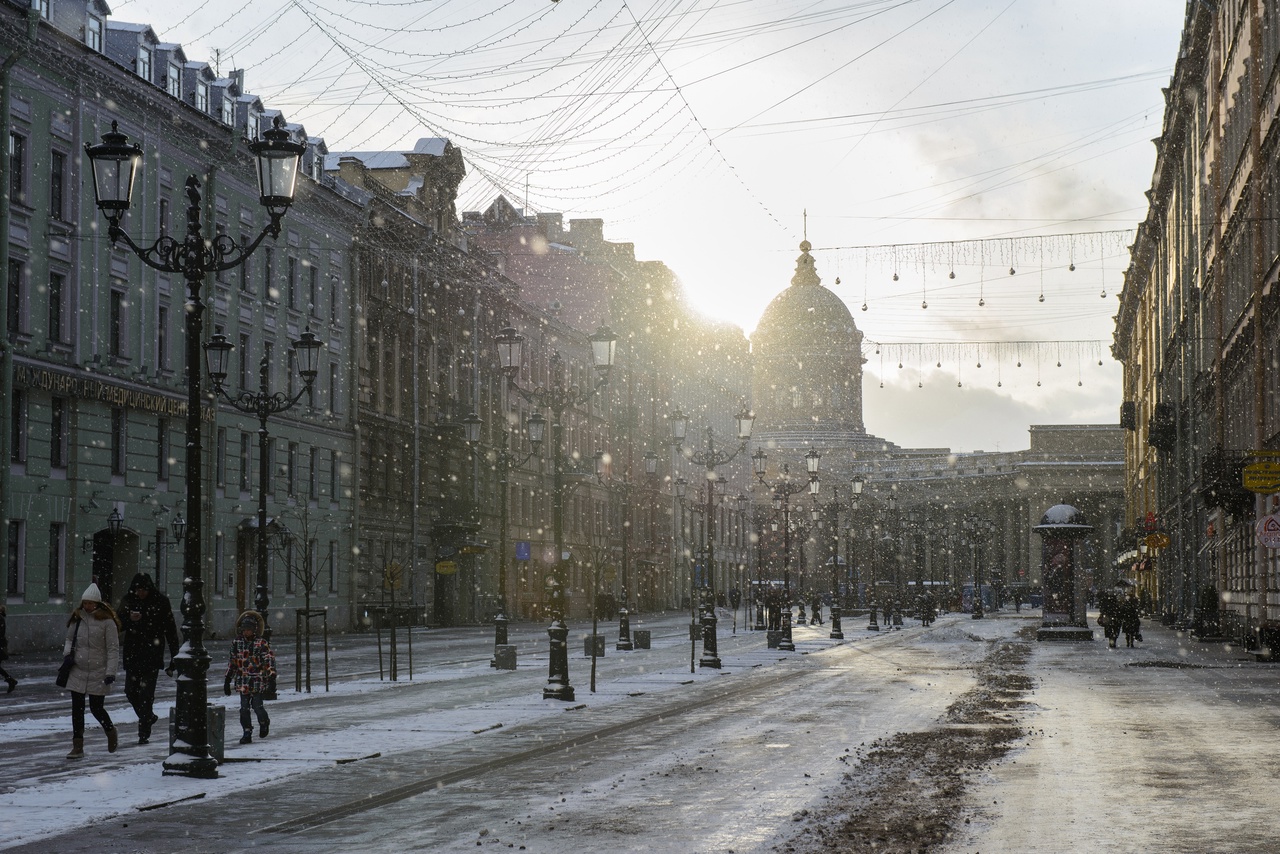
[{"x": 924, "y": 138}]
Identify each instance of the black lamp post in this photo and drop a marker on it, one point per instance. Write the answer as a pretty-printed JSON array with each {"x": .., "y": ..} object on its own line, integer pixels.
[
  {"x": 557, "y": 398},
  {"x": 833, "y": 509},
  {"x": 621, "y": 487},
  {"x": 503, "y": 462},
  {"x": 115, "y": 164},
  {"x": 710, "y": 457},
  {"x": 263, "y": 404},
  {"x": 782, "y": 490},
  {"x": 759, "y": 595}
]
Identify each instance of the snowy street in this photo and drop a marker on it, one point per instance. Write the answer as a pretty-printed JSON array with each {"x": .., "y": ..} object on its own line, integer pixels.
[{"x": 965, "y": 736}]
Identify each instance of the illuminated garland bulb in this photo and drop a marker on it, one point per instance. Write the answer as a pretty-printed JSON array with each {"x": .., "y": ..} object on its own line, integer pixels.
[
  {"x": 981, "y": 302},
  {"x": 924, "y": 304},
  {"x": 864, "y": 306},
  {"x": 1071, "y": 268},
  {"x": 1019, "y": 364},
  {"x": 1042, "y": 298},
  {"x": 951, "y": 275},
  {"x": 959, "y": 384},
  {"x": 1104, "y": 293},
  {"x": 999, "y": 384},
  {"x": 895, "y": 277},
  {"x": 939, "y": 363},
  {"x": 1012, "y": 272},
  {"x": 979, "y": 364}
]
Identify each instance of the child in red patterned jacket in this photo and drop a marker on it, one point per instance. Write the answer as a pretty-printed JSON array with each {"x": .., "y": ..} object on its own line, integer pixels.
[{"x": 252, "y": 672}]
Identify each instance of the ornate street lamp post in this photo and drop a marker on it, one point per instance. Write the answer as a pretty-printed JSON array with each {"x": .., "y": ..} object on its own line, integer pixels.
[
  {"x": 557, "y": 397},
  {"x": 710, "y": 457},
  {"x": 833, "y": 514},
  {"x": 621, "y": 486},
  {"x": 782, "y": 490},
  {"x": 115, "y": 162},
  {"x": 263, "y": 404}
]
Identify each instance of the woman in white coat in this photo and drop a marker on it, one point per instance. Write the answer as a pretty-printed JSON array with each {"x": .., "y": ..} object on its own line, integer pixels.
[{"x": 94, "y": 633}]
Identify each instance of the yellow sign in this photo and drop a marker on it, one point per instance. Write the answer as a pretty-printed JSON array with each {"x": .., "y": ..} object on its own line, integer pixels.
[
  {"x": 446, "y": 567},
  {"x": 1157, "y": 540},
  {"x": 1262, "y": 477}
]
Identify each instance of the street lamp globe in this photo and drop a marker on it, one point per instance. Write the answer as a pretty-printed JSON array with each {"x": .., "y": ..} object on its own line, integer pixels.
[
  {"x": 115, "y": 165},
  {"x": 471, "y": 426},
  {"x": 679, "y": 426},
  {"x": 278, "y": 157},
  {"x": 811, "y": 461},
  {"x": 537, "y": 427},
  {"x": 746, "y": 420},
  {"x": 857, "y": 485},
  {"x": 510, "y": 344},
  {"x": 650, "y": 463},
  {"x": 758, "y": 462},
  {"x": 217, "y": 355},
  {"x": 115, "y": 522},
  {"x": 604, "y": 345},
  {"x": 308, "y": 348},
  {"x": 179, "y": 528}
]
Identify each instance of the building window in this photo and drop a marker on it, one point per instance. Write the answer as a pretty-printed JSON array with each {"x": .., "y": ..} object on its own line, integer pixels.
[
  {"x": 291, "y": 475},
  {"x": 292, "y": 369},
  {"x": 17, "y": 167},
  {"x": 162, "y": 338},
  {"x": 57, "y": 308},
  {"x": 333, "y": 566},
  {"x": 119, "y": 438},
  {"x": 18, "y": 427},
  {"x": 163, "y": 460},
  {"x": 289, "y": 567},
  {"x": 93, "y": 34},
  {"x": 313, "y": 286},
  {"x": 219, "y": 564},
  {"x": 116, "y": 324},
  {"x": 268, "y": 359},
  {"x": 244, "y": 269},
  {"x": 220, "y": 458},
  {"x": 58, "y": 444},
  {"x": 268, "y": 274},
  {"x": 245, "y": 452},
  {"x": 333, "y": 387},
  {"x": 14, "y": 295},
  {"x": 173, "y": 80},
  {"x": 244, "y": 362},
  {"x": 313, "y": 473},
  {"x": 57, "y": 560},
  {"x": 271, "y": 469},
  {"x": 57, "y": 185},
  {"x": 292, "y": 283},
  {"x": 335, "y": 477},
  {"x": 228, "y": 109},
  {"x": 144, "y": 63},
  {"x": 333, "y": 300},
  {"x": 252, "y": 125},
  {"x": 162, "y": 560},
  {"x": 16, "y": 575}
]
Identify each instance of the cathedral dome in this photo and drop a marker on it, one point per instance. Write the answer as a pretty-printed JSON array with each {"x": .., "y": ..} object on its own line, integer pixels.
[{"x": 806, "y": 315}]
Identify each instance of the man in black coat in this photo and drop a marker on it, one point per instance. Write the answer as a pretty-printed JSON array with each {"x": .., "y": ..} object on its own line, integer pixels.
[{"x": 147, "y": 617}]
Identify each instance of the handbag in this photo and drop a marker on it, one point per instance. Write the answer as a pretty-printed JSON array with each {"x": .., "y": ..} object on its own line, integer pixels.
[{"x": 69, "y": 660}]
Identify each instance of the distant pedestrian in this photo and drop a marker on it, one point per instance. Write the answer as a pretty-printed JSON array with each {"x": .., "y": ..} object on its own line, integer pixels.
[
  {"x": 252, "y": 672},
  {"x": 1130, "y": 623},
  {"x": 93, "y": 639},
  {"x": 1109, "y": 617},
  {"x": 147, "y": 617},
  {"x": 4, "y": 652},
  {"x": 817, "y": 610}
]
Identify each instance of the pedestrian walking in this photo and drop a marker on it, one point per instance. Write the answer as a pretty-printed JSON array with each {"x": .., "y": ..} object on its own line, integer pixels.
[
  {"x": 1130, "y": 622},
  {"x": 148, "y": 627},
  {"x": 252, "y": 672},
  {"x": 1109, "y": 617},
  {"x": 817, "y": 610},
  {"x": 93, "y": 642},
  {"x": 9, "y": 681}
]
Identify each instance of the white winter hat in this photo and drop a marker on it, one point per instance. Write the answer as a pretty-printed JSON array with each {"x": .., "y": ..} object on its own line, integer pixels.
[{"x": 92, "y": 594}]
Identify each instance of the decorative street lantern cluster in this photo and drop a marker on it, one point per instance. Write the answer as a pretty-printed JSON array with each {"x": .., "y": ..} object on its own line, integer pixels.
[
  {"x": 710, "y": 458},
  {"x": 557, "y": 398},
  {"x": 115, "y": 164},
  {"x": 782, "y": 490}
]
